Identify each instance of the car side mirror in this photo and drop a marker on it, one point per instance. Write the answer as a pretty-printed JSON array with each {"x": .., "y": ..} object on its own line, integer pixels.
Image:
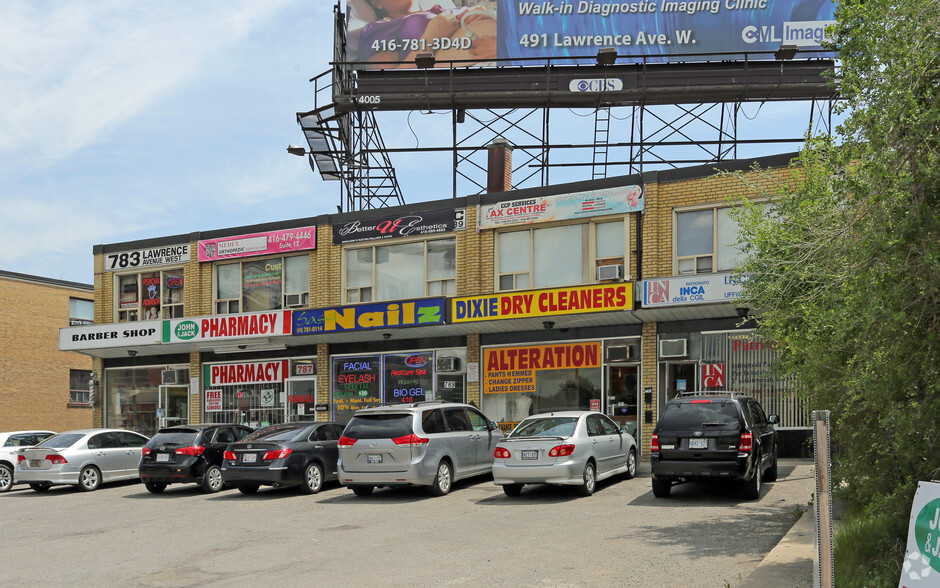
[
  {"x": 773, "y": 419},
  {"x": 493, "y": 426}
]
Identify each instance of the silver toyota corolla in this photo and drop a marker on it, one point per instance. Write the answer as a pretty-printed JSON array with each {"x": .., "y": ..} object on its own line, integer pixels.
[{"x": 575, "y": 447}]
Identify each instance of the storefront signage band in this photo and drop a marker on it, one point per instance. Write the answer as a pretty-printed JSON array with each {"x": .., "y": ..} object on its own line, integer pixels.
[
  {"x": 532, "y": 303},
  {"x": 271, "y": 242},
  {"x": 244, "y": 325},
  {"x": 409, "y": 225},
  {"x": 699, "y": 289},
  {"x": 429, "y": 311},
  {"x": 543, "y": 209},
  {"x": 155, "y": 256},
  {"x": 259, "y": 372},
  {"x": 514, "y": 369},
  {"x": 101, "y": 336}
]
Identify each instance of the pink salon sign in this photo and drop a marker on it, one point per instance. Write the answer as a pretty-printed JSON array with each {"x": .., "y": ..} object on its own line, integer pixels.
[{"x": 286, "y": 241}]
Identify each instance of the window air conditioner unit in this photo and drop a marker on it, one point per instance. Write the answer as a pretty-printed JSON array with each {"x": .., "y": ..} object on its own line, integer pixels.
[
  {"x": 448, "y": 363},
  {"x": 673, "y": 347},
  {"x": 75, "y": 322},
  {"x": 609, "y": 272},
  {"x": 173, "y": 377},
  {"x": 295, "y": 300},
  {"x": 618, "y": 353}
]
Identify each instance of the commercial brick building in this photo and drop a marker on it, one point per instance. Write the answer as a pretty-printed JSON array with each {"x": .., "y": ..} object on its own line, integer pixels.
[
  {"x": 43, "y": 387},
  {"x": 609, "y": 294}
]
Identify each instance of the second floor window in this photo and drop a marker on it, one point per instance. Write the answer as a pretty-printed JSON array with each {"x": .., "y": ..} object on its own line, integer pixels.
[
  {"x": 558, "y": 256},
  {"x": 406, "y": 270},
  {"x": 150, "y": 295},
  {"x": 706, "y": 241},
  {"x": 262, "y": 284},
  {"x": 81, "y": 311}
]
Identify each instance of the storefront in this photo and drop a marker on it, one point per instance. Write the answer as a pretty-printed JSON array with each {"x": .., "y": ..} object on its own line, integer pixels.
[{"x": 147, "y": 398}]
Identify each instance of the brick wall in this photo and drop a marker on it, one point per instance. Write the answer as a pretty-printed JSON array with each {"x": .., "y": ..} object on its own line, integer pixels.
[{"x": 35, "y": 390}]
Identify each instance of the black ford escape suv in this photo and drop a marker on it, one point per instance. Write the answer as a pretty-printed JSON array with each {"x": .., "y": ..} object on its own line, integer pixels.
[
  {"x": 186, "y": 454},
  {"x": 706, "y": 436}
]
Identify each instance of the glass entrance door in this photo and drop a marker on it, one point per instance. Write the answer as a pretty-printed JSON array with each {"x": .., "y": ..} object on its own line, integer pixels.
[
  {"x": 675, "y": 377},
  {"x": 623, "y": 395},
  {"x": 301, "y": 402},
  {"x": 173, "y": 406}
]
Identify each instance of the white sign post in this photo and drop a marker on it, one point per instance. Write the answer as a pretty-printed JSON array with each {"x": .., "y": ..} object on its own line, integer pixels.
[{"x": 823, "y": 571}]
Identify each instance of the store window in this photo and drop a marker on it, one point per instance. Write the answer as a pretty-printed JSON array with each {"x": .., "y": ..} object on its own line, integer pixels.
[
  {"x": 405, "y": 270},
  {"x": 79, "y": 386},
  {"x": 559, "y": 256},
  {"x": 262, "y": 284},
  {"x": 150, "y": 295},
  {"x": 252, "y": 392},
  {"x": 81, "y": 311},
  {"x": 706, "y": 241},
  {"x": 132, "y": 396}
]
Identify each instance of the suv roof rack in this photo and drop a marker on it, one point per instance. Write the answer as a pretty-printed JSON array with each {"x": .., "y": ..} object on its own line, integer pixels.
[
  {"x": 732, "y": 394},
  {"x": 408, "y": 404}
]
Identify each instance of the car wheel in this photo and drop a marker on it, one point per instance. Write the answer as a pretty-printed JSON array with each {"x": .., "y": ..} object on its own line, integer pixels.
[
  {"x": 363, "y": 490},
  {"x": 443, "y": 480},
  {"x": 770, "y": 475},
  {"x": 512, "y": 489},
  {"x": 631, "y": 466},
  {"x": 40, "y": 486},
  {"x": 661, "y": 488},
  {"x": 6, "y": 478},
  {"x": 589, "y": 480},
  {"x": 313, "y": 479},
  {"x": 89, "y": 479},
  {"x": 155, "y": 487},
  {"x": 752, "y": 486},
  {"x": 212, "y": 480}
]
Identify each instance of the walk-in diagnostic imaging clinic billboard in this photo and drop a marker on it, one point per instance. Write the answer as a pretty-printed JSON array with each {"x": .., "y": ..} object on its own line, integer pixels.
[{"x": 386, "y": 34}]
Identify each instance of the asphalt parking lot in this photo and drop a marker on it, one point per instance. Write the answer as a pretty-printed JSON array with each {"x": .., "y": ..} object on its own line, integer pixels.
[{"x": 121, "y": 535}]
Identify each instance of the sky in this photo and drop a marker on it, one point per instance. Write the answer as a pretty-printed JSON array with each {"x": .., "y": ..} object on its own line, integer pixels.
[{"x": 125, "y": 120}]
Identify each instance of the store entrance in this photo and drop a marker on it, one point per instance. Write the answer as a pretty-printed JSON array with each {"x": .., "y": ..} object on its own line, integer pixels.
[
  {"x": 173, "y": 406},
  {"x": 301, "y": 402},
  {"x": 674, "y": 377},
  {"x": 622, "y": 395}
]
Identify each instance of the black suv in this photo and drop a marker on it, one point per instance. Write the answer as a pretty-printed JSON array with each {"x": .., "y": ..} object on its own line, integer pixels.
[
  {"x": 705, "y": 436},
  {"x": 188, "y": 453}
]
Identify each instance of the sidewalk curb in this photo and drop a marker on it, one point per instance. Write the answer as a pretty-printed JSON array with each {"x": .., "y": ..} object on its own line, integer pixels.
[{"x": 791, "y": 562}]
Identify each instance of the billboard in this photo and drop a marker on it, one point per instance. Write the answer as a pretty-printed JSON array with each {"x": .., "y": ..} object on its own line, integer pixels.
[{"x": 390, "y": 34}]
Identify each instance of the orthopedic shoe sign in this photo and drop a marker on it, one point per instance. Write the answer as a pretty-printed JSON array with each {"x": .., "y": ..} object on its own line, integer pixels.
[
  {"x": 571, "y": 206},
  {"x": 409, "y": 313},
  {"x": 228, "y": 326},
  {"x": 657, "y": 29},
  {"x": 534, "y": 303},
  {"x": 271, "y": 242}
]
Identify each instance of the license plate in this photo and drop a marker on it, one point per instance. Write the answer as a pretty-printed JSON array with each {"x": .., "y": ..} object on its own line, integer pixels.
[
  {"x": 249, "y": 458},
  {"x": 34, "y": 463},
  {"x": 530, "y": 455},
  {"x": 374, "y": 458},
  {"x": 698, "y": 443},
  {"x": 163, "y": 457}
]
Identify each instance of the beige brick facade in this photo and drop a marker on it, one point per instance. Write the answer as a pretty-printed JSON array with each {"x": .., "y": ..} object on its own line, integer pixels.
[{"x": 35, "y": 391}]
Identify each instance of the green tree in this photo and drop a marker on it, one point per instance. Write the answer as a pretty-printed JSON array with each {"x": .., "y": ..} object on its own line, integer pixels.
[{"x": 845, "y": 270}]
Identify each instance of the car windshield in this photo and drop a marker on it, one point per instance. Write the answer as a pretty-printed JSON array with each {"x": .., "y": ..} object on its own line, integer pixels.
[
  {"x": 546, "y": 427},
  {"x": 277, "y": 433},
  {"x": 180, "y": 438},
  {"x": 61, "y": 441},
  {"x": 699, "y": 414},
  {"x": 379, "y": 426}
]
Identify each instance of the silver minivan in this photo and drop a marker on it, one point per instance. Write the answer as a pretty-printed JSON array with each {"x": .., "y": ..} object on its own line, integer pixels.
[{"x": 431, "y": 444}]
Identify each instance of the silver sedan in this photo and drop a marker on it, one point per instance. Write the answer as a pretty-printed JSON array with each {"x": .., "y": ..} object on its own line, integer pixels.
[
  {"x": 575, "y": 448},
  {"x": 85, "y": 458}
]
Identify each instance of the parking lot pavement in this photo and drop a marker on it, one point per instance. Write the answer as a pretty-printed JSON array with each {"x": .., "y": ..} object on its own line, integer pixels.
[{"x": 120, "y": 535}]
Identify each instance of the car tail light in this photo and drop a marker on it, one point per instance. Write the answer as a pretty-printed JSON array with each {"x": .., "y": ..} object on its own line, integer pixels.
[
  {"x": 145, "y": 451},
  {"x": 747, "y": 442},
  {"x": 20, "y": 458},
  {"x": 195, "y": 450},
  {"x": 278, "y": 454},
  {"x": 502, "y": 453},
  {"x": 561, "y": 451},
  {"x": 346, "y": 441},
  {"x": 654, "y": 442},
  {"x": 56, "y": 458},
  {"x": 229, "y": 455},
  {"x": 411, "y": 439}
]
